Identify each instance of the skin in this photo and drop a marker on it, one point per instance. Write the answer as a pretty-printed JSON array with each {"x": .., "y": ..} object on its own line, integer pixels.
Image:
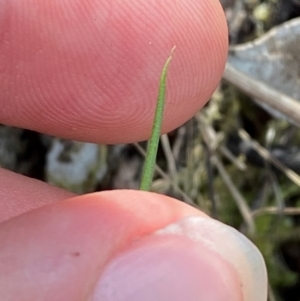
[{"x": 89, "y": 70}]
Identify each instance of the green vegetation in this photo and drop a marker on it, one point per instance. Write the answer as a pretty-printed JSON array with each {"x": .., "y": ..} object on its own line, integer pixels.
[{"x": 152, "y": 147}]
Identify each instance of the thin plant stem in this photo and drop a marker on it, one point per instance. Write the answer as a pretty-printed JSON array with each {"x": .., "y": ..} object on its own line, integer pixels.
[{"x": 149, "y": 164}]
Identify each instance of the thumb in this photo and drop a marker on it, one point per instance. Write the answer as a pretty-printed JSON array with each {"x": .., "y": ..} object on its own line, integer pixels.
[{"x": 126, "y": 245}]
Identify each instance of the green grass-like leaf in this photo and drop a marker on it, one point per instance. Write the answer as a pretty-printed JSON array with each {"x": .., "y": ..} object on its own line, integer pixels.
[{"x": 149, "y": 164}]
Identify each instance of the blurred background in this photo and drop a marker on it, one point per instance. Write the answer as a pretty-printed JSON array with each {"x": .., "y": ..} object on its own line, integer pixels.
[{"x": 237, "y": 159}]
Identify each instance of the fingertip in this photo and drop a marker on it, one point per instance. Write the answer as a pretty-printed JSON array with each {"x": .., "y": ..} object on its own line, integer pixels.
[
  {"x": 63, "y": 247},
  {"x": 232, "y": 246},
  {"x": 194, "y": 258},
  {"x": 93, "y": 74},
  {"x": 167, "y": 268},
  {"x": 87, "y": 246}
]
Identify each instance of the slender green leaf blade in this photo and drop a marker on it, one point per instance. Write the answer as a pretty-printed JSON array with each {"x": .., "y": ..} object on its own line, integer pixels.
[{"x": 149, "y": 164}]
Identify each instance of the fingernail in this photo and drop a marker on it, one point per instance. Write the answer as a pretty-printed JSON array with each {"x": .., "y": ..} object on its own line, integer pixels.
[
  {"x": 232, "y": 246},
  {"x": 193, "y": 259}
]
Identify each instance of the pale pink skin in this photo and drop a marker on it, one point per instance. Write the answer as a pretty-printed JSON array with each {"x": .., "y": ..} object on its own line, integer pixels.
[{"x": 89, "y": 70}]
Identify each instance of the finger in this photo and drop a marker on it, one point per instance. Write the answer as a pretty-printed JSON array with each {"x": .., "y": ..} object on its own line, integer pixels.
[
  {"x": 89, "y": 70},
  {"x": 19, "y": 194},
  {"x": 107, "y": 246}
]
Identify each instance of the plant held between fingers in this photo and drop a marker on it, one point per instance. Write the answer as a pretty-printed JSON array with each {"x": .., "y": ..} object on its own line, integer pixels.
[{"x": 149, "y": 164}]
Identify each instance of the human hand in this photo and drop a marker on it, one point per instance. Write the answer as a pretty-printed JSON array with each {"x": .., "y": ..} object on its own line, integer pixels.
[{"x": 89, "y": 70}]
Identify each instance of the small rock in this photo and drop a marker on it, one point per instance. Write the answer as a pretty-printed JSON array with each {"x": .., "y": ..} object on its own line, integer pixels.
[{"x": 76, "y": 166}]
